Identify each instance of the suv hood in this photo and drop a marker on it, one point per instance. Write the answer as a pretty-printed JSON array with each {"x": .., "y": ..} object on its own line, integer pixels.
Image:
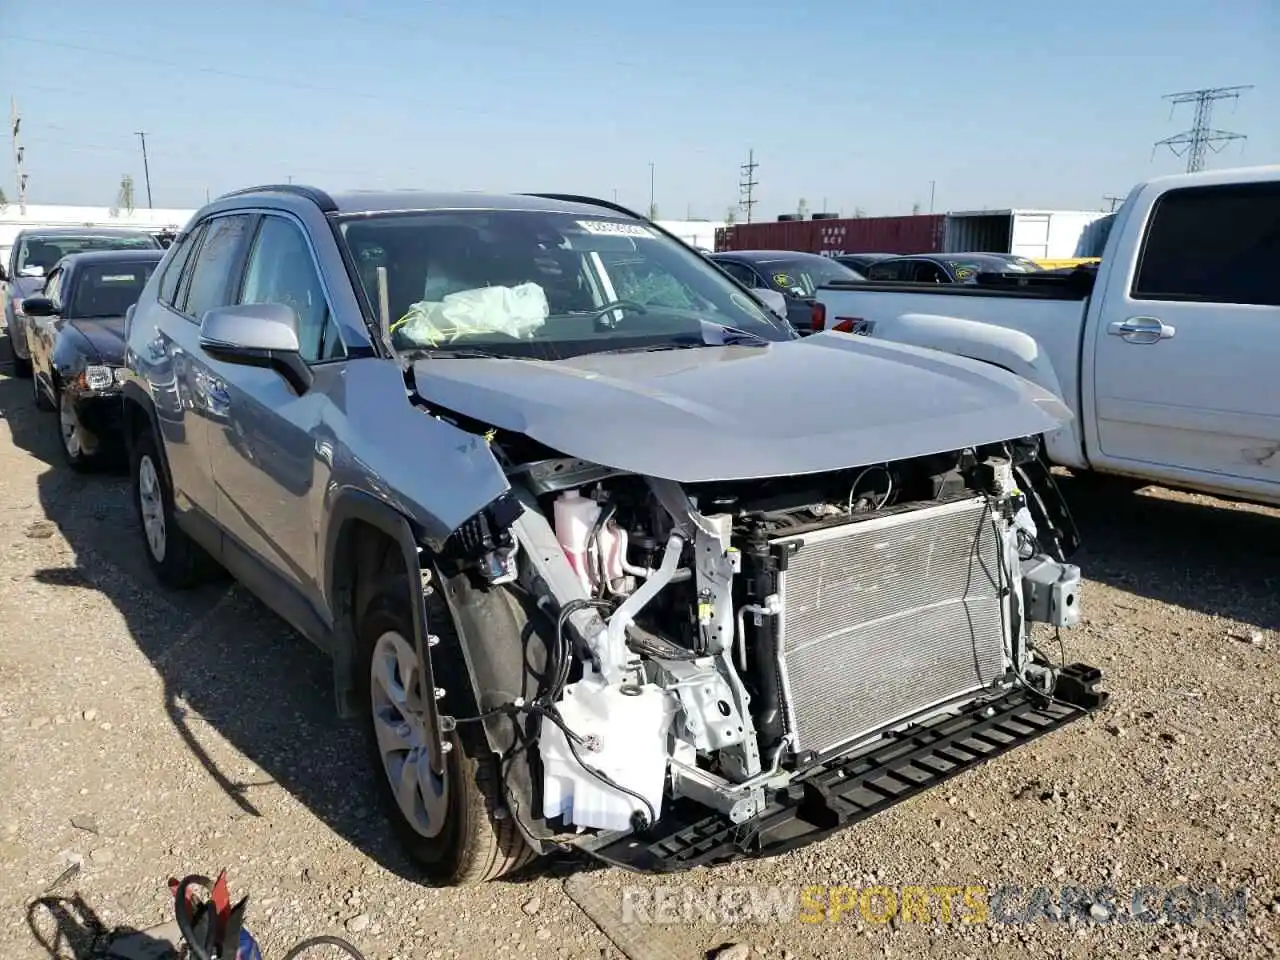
[{"x": 828, "y": 402}]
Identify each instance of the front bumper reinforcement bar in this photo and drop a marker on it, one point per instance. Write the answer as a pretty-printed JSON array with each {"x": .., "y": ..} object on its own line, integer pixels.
[{"x": 842, "y": 792}]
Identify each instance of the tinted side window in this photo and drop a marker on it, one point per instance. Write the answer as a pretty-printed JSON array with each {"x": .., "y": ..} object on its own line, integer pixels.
[
  {"x": 1214, "y": 244},
  {"x": 168, "y": 292},
  {"x": 281, "y": 270},
  {"x": 739, "y": 272},
  {"x": 210, "y": 283},
  {"x": 884, "y": 271}
]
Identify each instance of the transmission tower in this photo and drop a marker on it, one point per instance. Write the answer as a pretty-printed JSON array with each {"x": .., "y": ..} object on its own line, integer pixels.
[
  {"x": 748, "y": 184},
  {"x": 1192, "y": 143}
]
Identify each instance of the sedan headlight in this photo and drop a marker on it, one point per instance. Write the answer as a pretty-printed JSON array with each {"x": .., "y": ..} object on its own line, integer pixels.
[{"x": 99, "y": 377}]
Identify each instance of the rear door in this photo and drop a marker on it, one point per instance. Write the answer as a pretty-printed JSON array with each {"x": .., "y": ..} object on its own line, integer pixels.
[
  {"x": 1186, "y": 342},
  {"x": 198, "y": 278}
]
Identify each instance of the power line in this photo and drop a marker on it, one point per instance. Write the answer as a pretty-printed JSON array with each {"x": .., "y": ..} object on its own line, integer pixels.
[
  {"x": 747, "y": 184},
  {"x": 1193, "y": 143}
]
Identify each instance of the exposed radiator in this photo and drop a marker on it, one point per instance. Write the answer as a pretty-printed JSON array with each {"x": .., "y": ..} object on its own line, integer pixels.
[{"x": 885, "y": 618}]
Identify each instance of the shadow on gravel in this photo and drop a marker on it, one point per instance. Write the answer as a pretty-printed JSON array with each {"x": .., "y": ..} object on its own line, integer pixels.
[
  {"x": 67, "y": 928},
  {"x": 227, "y": 663},
  {"x": 1200, "y": 556}
]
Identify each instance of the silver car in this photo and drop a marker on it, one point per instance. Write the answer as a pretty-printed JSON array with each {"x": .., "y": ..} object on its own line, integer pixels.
[{"x": 607, "y": 559}]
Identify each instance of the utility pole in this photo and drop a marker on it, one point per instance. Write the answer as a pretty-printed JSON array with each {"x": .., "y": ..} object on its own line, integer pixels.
[
  {"x": 931, "y": 186},
  {"x": 747, "y": 184},
  {"x": 1113, "y": 201},
  {"x": 1193, "y": 143},
  {"x": 146, "y": 169},
  {"x": 15, "y": 124}
]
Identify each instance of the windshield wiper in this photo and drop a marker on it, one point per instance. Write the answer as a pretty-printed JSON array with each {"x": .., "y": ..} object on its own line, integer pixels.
[
  {"x": 713, "y": 335},
  {"x": 461, "y": 353}
]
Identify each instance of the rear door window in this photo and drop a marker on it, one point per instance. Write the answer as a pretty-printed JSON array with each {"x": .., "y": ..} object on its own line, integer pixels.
[
  {"x": 168, "y": 292},
  {"x": 1217, "y": 244}
]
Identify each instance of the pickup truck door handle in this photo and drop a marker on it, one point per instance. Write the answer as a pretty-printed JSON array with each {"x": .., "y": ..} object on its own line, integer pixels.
[{"x": 1141, "y": 330}]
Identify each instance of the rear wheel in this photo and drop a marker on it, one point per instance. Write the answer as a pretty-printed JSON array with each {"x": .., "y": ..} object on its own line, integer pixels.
[
  {"x": 176, "y": 560},
  {"x": 454, "y": 823},
  {"x": 21, "y": 365}
]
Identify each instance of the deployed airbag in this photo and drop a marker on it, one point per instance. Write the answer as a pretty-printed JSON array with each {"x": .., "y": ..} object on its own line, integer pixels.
[{"x": 514, "y": 311}]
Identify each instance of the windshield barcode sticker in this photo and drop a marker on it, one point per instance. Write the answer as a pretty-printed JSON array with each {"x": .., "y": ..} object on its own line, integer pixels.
[
  {"x": 120, "y": 278},
  {"x": 615, "y": 228}
]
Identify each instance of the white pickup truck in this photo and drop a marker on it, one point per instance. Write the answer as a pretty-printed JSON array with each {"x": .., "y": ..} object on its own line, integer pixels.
[{"x": 1169, "y": 358}]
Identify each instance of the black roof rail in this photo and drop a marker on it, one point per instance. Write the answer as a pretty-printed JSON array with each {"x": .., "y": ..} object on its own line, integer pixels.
[
  {"x": 593, "y": 201},
  {"x": 314, "y": 194}
]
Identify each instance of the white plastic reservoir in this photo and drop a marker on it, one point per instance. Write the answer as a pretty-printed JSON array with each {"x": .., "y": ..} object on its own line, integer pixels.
[{"x": 628, "y": 725}]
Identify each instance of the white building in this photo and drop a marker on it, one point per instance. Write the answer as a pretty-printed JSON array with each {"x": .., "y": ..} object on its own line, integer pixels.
[{"x": 14, "y": 218}]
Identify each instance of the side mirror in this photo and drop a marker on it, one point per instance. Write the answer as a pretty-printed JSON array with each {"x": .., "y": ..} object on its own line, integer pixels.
[
  {"x": 38, "y": 307},
  {"x": 773, "y": 300},
  {"x": 257, "y": 335}
]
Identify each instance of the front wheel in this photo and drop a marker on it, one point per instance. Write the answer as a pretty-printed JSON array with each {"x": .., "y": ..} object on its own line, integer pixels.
[
  {"x": 79, "y": 445},
  {"x": 176, "y": 560},
  {"x": 454, "y": 823}
]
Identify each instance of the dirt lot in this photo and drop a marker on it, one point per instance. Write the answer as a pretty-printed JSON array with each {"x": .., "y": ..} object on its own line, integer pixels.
[{"x": 145, "y": 734}]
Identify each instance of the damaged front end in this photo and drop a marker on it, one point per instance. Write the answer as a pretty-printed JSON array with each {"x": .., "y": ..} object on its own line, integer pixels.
[{"x": 680, "y": 674}]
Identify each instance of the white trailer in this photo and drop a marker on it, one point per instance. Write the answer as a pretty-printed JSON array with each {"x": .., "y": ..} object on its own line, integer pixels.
[{"x": 1037, "y": 234}]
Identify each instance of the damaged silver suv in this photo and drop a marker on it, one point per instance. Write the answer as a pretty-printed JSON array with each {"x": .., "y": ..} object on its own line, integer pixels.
[{"x": 605, "y": 557}]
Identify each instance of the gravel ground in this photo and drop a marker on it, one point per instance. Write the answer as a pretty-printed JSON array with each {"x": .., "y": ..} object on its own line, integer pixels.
[{"x": 145, "y": 734}]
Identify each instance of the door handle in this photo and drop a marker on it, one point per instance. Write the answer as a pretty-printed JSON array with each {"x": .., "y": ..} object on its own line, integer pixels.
[{"x": 1141, "y": 330}]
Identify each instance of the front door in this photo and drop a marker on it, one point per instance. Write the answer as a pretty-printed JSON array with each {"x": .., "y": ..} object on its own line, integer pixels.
[
  {"x": 269, "y": 474},
  {"x": 1186, "y": 358}
]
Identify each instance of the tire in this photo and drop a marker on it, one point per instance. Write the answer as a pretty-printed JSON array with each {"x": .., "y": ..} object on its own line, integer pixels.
[
  {"x": 473, "y": 839},
  {"x": 71, "y": 435},
  {"x": 178, "y": 562},
  {"x": 40, "y": 397},
  {"x": 21, "y": 365}
]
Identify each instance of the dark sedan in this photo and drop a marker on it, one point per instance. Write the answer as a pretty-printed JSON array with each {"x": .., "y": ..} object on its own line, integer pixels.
[
  {"x": 791, "y": 273},
  {"x": 948, "y": 267},
  {"x": 75, "y": 338},
  {"x": 34, "y": 253}
]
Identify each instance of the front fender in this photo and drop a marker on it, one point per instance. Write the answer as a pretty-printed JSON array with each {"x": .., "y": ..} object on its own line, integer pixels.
[{"x": 1012, "y": 350}]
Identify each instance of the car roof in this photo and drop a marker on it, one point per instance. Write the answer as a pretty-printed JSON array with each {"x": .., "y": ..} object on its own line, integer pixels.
[
  {"x": 764, "y": 256},
  {"x": 111, "y": 256},
  {"x": 356, "y": 202},
  {"x": 81, "y": 232}
]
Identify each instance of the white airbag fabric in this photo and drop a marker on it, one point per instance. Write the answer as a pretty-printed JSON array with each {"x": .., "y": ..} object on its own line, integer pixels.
[{"x": 515, "y": 311}]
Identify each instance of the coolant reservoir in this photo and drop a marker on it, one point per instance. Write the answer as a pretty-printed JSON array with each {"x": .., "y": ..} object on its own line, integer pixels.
[
  {"x": 574, "y": 516},
  {"x": 626, "y": 732}
]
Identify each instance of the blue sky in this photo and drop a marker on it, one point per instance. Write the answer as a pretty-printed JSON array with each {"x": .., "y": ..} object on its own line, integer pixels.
[{"x": 860, "y": 102}]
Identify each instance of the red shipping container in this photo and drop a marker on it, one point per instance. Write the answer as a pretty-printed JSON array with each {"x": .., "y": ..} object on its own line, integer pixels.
[{"x": 922, "y": 233}]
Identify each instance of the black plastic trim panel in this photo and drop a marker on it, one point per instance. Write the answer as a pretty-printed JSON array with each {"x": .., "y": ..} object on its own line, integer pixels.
[{"x": 843, "y": 792}]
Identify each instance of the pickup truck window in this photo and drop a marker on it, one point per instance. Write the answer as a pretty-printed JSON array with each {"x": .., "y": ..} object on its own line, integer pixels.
[{"x": 1215, "y": 244}]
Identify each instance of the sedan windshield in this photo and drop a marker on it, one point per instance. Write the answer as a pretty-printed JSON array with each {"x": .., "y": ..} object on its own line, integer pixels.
[
  {"x": 44, "y": 252},
  {"x": 542, "y": 284},
  {"x": 802, "y": 276}
]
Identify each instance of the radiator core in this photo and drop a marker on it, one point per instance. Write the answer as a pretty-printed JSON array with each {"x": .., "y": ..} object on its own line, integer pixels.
[{"x": 885, "y": 618}]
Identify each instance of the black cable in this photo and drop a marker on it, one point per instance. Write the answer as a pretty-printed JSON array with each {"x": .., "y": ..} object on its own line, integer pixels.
[{"x": 324, "y": 940}]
